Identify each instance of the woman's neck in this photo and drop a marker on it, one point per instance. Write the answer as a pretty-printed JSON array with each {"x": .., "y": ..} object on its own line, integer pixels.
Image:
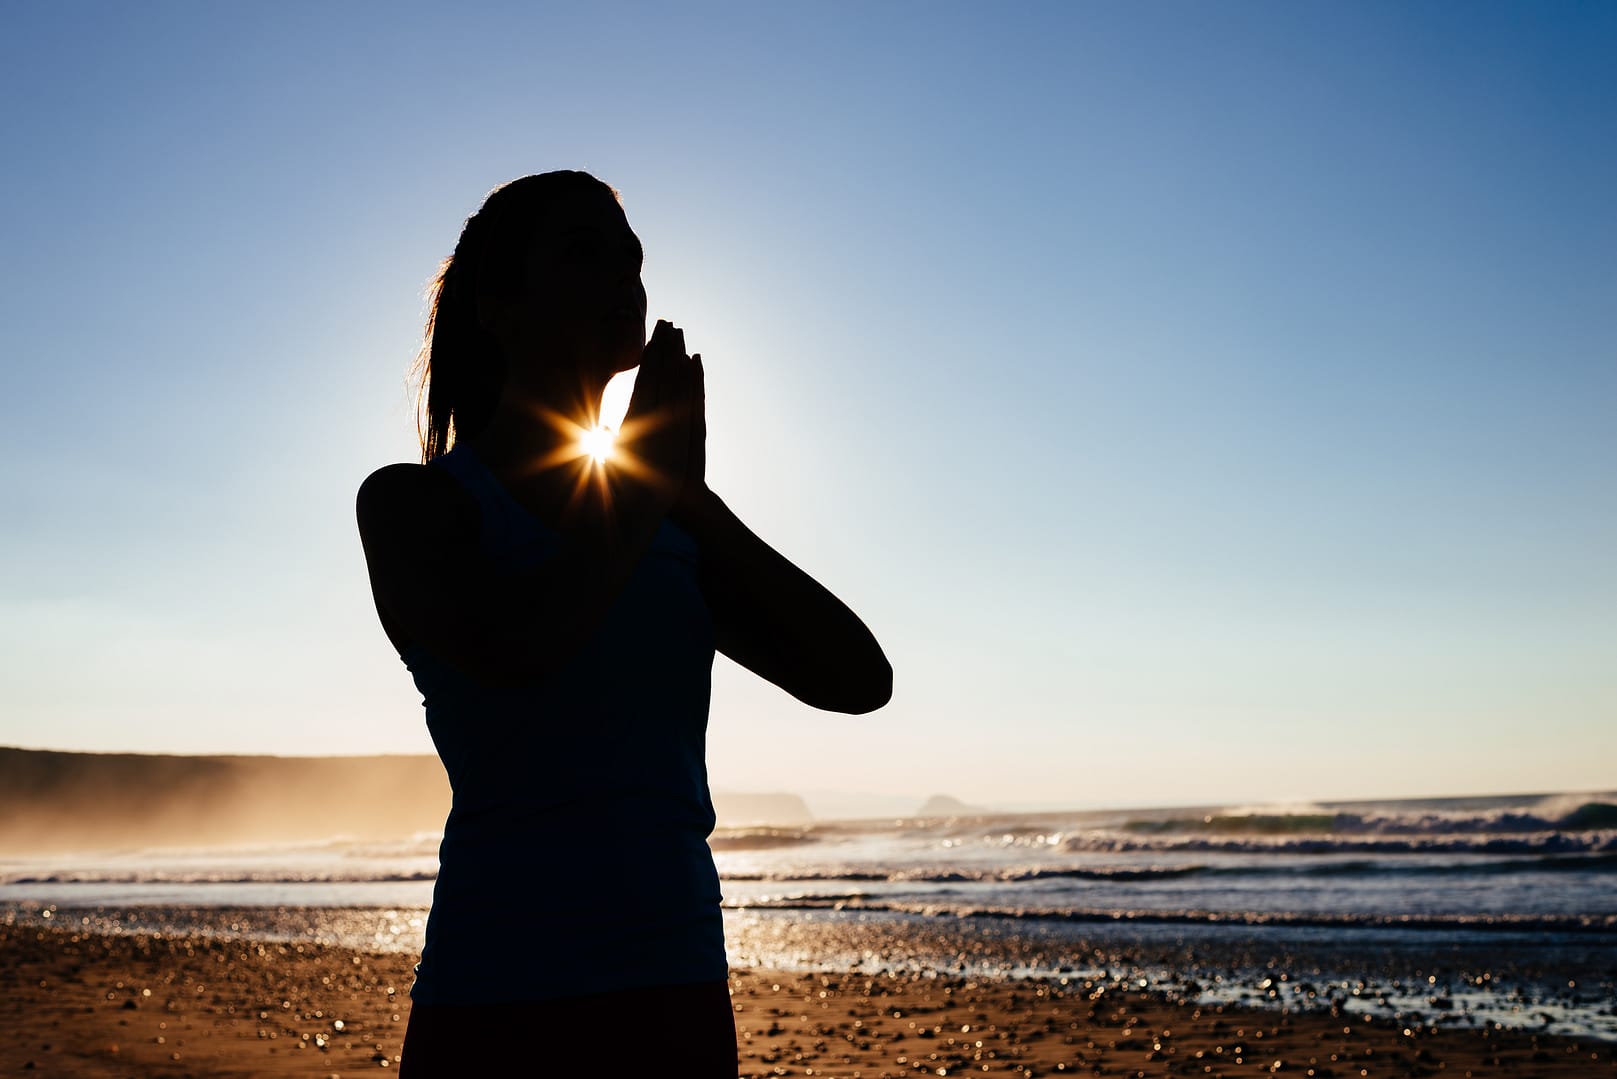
[{"x": 531, "y": 441}]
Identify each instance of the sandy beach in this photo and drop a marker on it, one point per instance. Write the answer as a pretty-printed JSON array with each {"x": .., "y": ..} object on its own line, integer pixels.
[{"x": 76, "y": 1003}]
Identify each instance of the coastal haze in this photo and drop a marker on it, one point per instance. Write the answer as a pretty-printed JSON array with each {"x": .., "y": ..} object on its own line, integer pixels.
[{"x": 54, "y": 802}]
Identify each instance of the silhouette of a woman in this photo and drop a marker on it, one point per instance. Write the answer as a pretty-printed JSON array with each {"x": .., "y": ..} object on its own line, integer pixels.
[{"x": 559, "y": 616}]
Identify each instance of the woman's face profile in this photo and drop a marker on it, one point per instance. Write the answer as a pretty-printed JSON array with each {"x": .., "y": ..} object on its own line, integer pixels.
[{"x": 583, "y": 296}]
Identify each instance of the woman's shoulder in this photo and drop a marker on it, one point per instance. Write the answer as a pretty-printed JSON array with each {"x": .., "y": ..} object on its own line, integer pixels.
[{"x": 417, "y": 500}]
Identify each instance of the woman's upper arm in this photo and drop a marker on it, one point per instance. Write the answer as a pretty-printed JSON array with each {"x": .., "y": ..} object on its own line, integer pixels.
[{"x": 420, "y": 532}]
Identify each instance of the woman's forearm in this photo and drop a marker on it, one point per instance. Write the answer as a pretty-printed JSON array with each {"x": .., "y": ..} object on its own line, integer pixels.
[{"x": 779, "y": 622}]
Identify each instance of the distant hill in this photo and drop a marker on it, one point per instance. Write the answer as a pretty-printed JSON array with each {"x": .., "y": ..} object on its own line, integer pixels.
[
  {"x": 56, "y": 801},
  {"x": 944, "y": 805}
]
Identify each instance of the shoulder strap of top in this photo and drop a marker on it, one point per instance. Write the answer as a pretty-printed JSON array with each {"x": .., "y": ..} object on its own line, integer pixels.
[
  {"x": 473, "y": 475},
  {"x": 504, "y": 521}
]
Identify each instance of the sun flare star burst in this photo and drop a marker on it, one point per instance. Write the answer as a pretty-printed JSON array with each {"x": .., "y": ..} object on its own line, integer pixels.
[{"x": 596, "y": 443}]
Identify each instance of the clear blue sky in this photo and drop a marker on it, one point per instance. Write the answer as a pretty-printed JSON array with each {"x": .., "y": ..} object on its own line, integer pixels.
[{"x": 1200, "y": 401}]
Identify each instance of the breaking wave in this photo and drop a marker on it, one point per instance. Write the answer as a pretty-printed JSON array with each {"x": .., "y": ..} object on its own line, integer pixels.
[
  {"x": 212, "y": 876},
  {"x": 1585, "y": 817},
  {"x": 728, "y": 839},
  {"x": 1514, "y": 923},
  {"x": 1545, "y": 843},
  {"x": 1576, "y": 863}
]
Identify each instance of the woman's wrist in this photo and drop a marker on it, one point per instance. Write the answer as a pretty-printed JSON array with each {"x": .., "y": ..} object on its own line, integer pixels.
[{"x": 698, "y": 510}]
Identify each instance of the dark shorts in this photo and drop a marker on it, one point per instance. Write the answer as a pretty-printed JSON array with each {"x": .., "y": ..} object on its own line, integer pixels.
[{"x": 686, "y": 1030}]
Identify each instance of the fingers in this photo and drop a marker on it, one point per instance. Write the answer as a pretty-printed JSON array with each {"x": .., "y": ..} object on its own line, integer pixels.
[
  {"x": 696, "y": 459},
  {"x": 668, "y": 388},
  {"x": 664, "y": 408},
  {"x": 665, "y": 370},
  {"x": 685, "y": 401},
  {"x": 652, "y": 382},
  {"x": 698, "y": 397},
  {"x": 692, "y": 389}
]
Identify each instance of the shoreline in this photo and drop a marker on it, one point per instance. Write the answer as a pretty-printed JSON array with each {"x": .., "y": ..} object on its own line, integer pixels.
[
  {"x": 1544, "y": 984},
  {"x": 83, "y": 1003}
]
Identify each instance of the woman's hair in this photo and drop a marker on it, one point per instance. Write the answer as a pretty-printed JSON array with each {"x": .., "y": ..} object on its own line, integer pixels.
[{"x": 460, "y": 370}]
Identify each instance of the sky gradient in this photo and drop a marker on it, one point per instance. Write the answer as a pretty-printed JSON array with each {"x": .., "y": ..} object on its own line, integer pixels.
[{"x": 1200, "y": 402}]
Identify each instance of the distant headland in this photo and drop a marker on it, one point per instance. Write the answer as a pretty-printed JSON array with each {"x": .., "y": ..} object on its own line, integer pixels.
[{"x": 947, "y": 805}]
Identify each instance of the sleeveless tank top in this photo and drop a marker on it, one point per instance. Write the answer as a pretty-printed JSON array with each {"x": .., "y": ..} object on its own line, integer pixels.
[{"x": 575, "y": 856}]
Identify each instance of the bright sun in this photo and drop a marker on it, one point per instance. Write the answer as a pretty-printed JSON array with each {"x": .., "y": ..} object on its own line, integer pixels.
[{"x": 596, "y": 443}]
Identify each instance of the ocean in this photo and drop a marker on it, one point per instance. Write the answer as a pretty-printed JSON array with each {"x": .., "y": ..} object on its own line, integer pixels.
[{"x": 1436, "y": 911}]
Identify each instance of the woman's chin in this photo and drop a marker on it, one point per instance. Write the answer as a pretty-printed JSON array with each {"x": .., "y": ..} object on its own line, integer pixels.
[{"x": 625, "y": 351}]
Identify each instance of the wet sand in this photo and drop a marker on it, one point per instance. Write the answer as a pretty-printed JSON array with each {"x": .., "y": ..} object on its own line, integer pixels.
[{"x": 76, "y": 1003}]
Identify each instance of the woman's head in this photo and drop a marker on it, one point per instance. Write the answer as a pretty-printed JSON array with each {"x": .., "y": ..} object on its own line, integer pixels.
[{"x": 543, "y": 288}]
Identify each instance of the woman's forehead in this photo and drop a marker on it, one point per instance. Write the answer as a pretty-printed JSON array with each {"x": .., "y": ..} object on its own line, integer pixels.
[{"x": 593, "y": 210}]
